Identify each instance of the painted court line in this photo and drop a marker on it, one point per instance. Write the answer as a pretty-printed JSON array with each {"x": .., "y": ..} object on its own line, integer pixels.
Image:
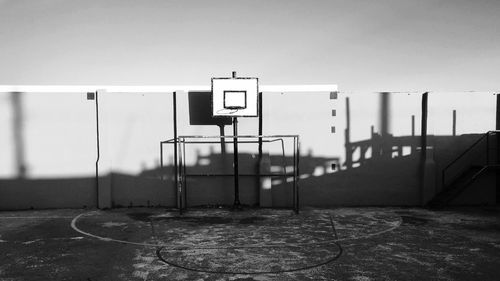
[
  {"x": 395, "y": 224},
  {"x": 37, "y": 217}
]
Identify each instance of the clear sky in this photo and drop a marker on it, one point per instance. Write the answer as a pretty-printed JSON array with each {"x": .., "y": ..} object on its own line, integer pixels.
[{"x": 359, "y": 45}]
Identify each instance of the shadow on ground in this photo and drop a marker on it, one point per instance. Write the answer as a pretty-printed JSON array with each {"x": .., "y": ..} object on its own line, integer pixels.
[{"x": 253, "y": 244}]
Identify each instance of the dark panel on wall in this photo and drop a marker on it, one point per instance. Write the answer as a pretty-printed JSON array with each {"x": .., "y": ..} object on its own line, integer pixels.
[{"x": 200, "y": 110}]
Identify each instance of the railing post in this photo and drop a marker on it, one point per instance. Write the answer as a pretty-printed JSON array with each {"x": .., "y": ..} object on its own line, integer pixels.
[
  {"x": 454, "y": 125},
  {"x": 497, "y": 144},
  {"x": 487, "y": 148},
  {"x": 423, "y": 148},
  {"x": 348, "y": 147}
]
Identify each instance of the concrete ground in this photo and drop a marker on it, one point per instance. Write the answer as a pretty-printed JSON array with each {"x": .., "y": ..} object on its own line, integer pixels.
[{"x": 252, "y": 244}]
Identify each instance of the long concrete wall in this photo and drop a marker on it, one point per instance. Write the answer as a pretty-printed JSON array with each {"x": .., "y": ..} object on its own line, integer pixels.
[{"x": 346, "y": 159}]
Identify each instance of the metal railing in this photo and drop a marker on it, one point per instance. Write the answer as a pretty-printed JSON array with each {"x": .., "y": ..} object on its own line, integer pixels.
[{"x": 467, "y": 152}]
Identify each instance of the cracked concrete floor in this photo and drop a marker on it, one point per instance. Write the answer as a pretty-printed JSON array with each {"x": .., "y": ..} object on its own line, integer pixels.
[{"x": 252, "y": 244}]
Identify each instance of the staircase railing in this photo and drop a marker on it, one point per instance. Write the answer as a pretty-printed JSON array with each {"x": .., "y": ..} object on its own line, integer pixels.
[{"x": 486, "y": 136}]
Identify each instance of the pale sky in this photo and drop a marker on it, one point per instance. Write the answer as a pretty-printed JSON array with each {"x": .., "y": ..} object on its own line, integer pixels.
[{"x": 384, "y": 45}]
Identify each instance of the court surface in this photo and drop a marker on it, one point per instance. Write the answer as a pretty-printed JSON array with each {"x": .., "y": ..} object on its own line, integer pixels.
[{"x": 251, "y": 244}]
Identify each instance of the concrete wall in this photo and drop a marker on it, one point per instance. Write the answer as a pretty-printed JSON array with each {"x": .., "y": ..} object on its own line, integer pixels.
[
  {"x": 47, "y": 193},
  {"x": 371, "y": 167}
]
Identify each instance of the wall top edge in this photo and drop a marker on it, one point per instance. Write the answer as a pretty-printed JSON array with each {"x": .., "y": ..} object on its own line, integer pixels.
[{"x": 155, "y": 88}]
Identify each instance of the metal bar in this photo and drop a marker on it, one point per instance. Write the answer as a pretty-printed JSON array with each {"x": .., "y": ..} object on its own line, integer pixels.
[
  {"x": 487, "y": 149},
  {"x": 497, "y": 144},
  {"x": 348, "y": 150},
  {"x": 235, "y": 162},
  {"x": 260, "y": 125},
  {"x": 222, "y": 140},
  {"x": 294, "y": 178},
  {"x": 423, "y": 146},
  {"x": 176, "y": 167},
  {"x": 161, "y": 159},
  {"x": 181, "y": 177},
  {"x": 239, "y": 136},
  {"x": 486, "y": 135},
  {"x": 180, "y": 161},
  {"x": 413, "y": 125},
  {"x": 466, "y": 151},
  {"x": 241, "y": 175},
  {"x": 206, "y": 142},
  {"x": 454, "y": 126},
  {"x": 184, "y": 181},
  {"x": 216, "y": 142},
  {"x": 297, "y": 174},
  {"x": 423, "y": 133},
  {"x": 259, "y": 158},
  {"x": 98, "y": 148}
]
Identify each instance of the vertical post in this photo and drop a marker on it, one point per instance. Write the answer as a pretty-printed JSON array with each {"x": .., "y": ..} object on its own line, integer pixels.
[
  {"x": 295, "y": 197},
  {"x": 222, "y": 140},
  {"x": 97, "y": 147},
  {"x": 259, "y": 159},
  {"x": 183, "y": 172},
  {"x": 412, "y": 134},
  {"x": 235, "y": 164},
  {"x": 348, "y": 152},
  {"x": 423, "y": 133},
  {"x": 413, "y": 125},
  {"x": 487, "y": 148},
  {"x": 423, "y": 146},
  {"x": 297, "y": 173},
  {"x": 176, "y": 166},
  {"x": 497, "y": 137},
  {"x": 104, "y": 196},
  {"x": 260, "y": 124},
  {"x": 384, "y": 113},
  {"x": 454, "y": 131},
  {"x": 161, "y": 160},
  {"x": 17, "y": 127}
]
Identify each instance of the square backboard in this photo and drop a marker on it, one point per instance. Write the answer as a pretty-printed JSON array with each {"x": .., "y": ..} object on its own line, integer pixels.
[{"x": 236, "y": 97}]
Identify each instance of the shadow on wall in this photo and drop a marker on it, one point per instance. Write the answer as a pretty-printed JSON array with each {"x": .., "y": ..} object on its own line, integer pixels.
[{"x": 381, "y": 170}]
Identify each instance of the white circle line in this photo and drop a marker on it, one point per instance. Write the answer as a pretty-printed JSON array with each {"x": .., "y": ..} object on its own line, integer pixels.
[
  {"x": 36, "y": 217},
  {"x": 107, "y": 239}
]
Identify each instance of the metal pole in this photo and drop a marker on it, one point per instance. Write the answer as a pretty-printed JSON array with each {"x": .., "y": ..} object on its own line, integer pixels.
[
  {"x": 297, "y": 174},
  {"x": 487, "y": 148},
  {"x": 181, "y": 179},
  {"x": 260, "y": 125},
  {"x": 98, "y": 148},
  {"x": 423, "y": 134},
  {"x": 454, "y": 123},
  {"x": 497, "y": 137},
  {"x": 176, "y": 167},
  {"x": 295, "y": 205},
  {"x": 184, "y": 180},
  {"x": 235, "y": 164},
  {"x": 348, "y": 151},
  {"x": 423, "y": 145},
  {"x": 412, "y": 134},
  {"x": 413, "y": 125},
  {"x": 259, "y": 159},
  {"x": 222, "y": 140},
  {"x": 161, "y": 160}
]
